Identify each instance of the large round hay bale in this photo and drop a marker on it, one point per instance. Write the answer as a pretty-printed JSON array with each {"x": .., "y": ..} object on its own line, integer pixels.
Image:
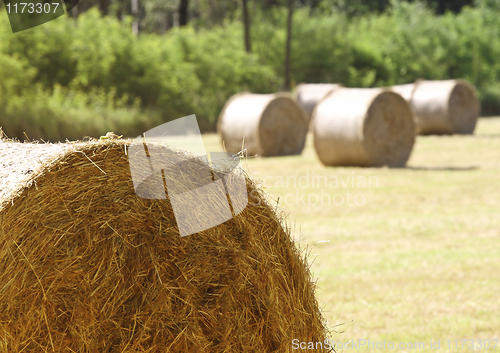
[
  {"x": 405, "y": 91},
  {"x": 86, "y": 265},
  {"x": 309, "y": 94},
  {"x": 363, "y": 127},
  {"x": 443, "y": 107},
  {"x": 264, "y": 124}
]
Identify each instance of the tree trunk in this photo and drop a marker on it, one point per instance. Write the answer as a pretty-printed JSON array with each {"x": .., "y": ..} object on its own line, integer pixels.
[
  {"x": 71, "y": 7},
  {"x": 183, "y": 12},
  {"x": 288, "y": 45},
  {"x": 246, "y": 21},
  {"x": 135, "y": 15},
  {"x": 104, "y": 7}
]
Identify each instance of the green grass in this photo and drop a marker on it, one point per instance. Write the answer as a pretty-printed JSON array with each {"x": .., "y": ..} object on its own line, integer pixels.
[{"x": 419, "y": 259}]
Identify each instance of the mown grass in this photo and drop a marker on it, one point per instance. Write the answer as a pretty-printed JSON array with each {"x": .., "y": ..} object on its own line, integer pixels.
[{"x": 419, "y": 259}]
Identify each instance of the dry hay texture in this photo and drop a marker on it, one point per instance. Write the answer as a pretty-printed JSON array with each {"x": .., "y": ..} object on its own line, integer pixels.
[
  {"x": 442, "y": 107},
  {"x": 310, "y": 94},
  {"x": 363, "y": 127},
  {"x": 263, "y": 124},
  {"x": 88, "y": 266}
]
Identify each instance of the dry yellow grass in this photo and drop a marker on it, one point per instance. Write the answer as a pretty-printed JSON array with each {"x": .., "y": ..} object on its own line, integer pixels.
[{"x": 419, "y": 260}]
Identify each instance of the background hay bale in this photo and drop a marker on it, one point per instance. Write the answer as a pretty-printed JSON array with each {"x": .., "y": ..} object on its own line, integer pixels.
[
  {"x": 405, "y": 91},
  {"x": 443, "y": 107},
  {"x": 88, "y": 266},
  {"x": 264, "y": 124},
  {"x": 363, "y": 127},
  {"x": 309, "y": 94}
]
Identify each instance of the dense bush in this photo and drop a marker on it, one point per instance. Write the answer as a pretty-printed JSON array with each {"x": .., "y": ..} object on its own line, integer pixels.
[
  {"x": 70, "y": 78},
  {"x": 63, "y": 114},
  {"x": 490, "y": 100},
  {"x": 405, "y": 43},
  {"x": 320, "y": 51},
  {"x": 221, "y": 66},
  {"x": 58, "y": 73},
  {"x": 412, "y": 43}
]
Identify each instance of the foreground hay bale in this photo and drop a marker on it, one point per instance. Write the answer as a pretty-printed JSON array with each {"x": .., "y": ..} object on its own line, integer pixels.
[
  {"x": 88, "y": 266},
  {"x": 363, "y": 127},
  {"x": 308, "y": 95},
  {"x": 442, "y": 107},
  {"x": 264, "y": 124}
]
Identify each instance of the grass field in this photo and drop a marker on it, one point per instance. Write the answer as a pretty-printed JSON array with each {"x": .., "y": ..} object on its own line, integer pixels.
[{"x": 402, "y": 255}]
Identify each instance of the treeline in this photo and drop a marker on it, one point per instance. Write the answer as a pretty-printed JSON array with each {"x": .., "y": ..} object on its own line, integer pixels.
[
  {"x": 69, "y": 79},
  {"x": 160, "y": 15},
  {"x": 84, "y": 76}
]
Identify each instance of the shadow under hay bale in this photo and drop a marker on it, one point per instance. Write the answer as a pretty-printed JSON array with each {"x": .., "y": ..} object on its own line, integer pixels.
[
  {"x": 309, "y": 94},
  {"x": 265, "y": 124},
  {"x": 442, "y": 107},
  {"x": 88, "y": 266},
  {"x": 363, "y": 127}
]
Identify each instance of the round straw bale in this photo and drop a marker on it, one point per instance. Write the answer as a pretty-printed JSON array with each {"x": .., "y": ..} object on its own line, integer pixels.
[
  {"x": 443, "y": 107},
  {"x": 405, "y": 91},
  {"x": 309, "y": 94},
  {"x": 363, "y": 127},
  {"x": 264, "y": 124},
  {"x": 86, "y": 265}
]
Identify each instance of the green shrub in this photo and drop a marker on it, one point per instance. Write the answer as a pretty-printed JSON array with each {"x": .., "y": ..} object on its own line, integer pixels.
[
  {"x": 490, "y": 100},
  {"x": 156, "y": 77},
  {"x": 320, "y": 50},
  {"x": 63, "y": 114},
  {"x": 222, "y": 67},
  {"x": 70, "y": 78},
  {"x": 46, "y": 48}
]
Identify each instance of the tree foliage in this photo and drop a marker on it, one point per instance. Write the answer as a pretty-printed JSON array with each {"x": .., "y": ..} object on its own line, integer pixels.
[{"x": 72, "y": 77}]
